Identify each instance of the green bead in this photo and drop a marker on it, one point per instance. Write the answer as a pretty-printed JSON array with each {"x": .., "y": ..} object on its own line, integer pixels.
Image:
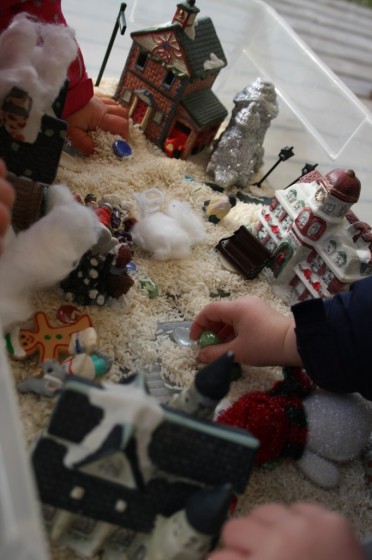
[
  {"x": 208, "y": 338},
  {"x": 150, "y": 287}
]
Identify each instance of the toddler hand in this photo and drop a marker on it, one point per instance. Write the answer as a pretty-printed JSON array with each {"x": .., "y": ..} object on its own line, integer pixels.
[
  {"x": 100, "y": 112},
  {"x": 278, "y": 532},
  {"x": 257, "y": 334}
]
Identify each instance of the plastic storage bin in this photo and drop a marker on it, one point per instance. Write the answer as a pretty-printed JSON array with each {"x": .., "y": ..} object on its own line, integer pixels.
[
  {"x": 318, "y": 115},
  {"x": 21, "y": 536}
]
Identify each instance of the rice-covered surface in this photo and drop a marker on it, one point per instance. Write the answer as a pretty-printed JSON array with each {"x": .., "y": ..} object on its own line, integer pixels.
[{"x": 127, "y": 326}]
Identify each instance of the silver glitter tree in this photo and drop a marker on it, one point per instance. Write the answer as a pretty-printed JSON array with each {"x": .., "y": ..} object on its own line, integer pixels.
[{"x": 238, "y": 153}]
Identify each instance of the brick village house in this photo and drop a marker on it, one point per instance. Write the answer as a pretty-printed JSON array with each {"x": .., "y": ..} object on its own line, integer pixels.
[{"x": 167, "y": 80}]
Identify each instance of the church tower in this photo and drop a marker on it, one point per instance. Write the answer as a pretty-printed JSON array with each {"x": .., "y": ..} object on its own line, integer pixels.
[{"x": 185, "y": 16}]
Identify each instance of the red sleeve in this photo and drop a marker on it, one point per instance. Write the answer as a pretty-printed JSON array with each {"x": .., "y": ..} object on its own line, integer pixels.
[{"x": 80, "y": 85}]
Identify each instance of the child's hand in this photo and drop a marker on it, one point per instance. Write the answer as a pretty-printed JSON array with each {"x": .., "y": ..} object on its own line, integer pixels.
[
  {"x": 278, "y": 532},
  {"x": 99, "y": 112},
  {"x": 256, "y": 333},
  {"x": 7, "y": 196}
]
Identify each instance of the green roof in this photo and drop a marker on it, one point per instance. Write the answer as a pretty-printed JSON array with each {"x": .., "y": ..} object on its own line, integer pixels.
[{"x": 204, "y": 107}]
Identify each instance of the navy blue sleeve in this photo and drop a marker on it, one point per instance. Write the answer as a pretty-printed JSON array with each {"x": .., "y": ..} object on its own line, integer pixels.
[{"x": 334, "y": 339}]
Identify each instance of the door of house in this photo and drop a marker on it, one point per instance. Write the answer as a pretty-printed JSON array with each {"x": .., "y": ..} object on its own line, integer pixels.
[
  {"x": 139, "y": 111},
  {"x": 176, "y": 140}
]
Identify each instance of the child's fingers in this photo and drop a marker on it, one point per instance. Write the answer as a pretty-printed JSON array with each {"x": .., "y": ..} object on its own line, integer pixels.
[
  {"x": 117, "y": 110},
  {"x": 80, "y": 140},
  {"x": 211, "y": 353},
  {"x": 114, "y": 124}
]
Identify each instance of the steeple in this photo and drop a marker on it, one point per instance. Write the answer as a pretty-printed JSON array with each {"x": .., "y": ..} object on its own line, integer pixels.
[{"x": 185, "y": 16}]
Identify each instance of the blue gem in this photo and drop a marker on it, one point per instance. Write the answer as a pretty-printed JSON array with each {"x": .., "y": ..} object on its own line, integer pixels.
[
  {"x": 121, "y": 148},
  {"x": 131, "y": 267}
]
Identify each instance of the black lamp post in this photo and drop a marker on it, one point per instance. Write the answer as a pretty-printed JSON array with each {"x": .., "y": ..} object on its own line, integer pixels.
[
  {"x": 121, "y": 24},
  {"x": 305, "y": 170},
  {"x": 284, "y": 154}
]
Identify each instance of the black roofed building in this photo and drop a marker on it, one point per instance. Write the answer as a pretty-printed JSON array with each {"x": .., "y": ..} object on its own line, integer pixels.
[{"x": 167, "y": 82}]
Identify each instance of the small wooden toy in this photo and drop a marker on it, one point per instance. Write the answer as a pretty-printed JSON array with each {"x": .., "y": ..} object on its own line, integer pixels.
[
  {"x": 29, "y": 203},
  {"x": 211, "y": 384},
  {"x": 15, "y": 111},
  {"x": 48, "y": 341}
]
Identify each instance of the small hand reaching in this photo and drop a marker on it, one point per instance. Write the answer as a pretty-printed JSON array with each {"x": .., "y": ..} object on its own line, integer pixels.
[
  {"x": 99, "y": 113},
  {"x": 256, "y": 333}
]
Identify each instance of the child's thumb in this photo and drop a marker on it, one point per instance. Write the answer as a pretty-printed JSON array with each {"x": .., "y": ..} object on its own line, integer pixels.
[{"x": 211, "y": 353}]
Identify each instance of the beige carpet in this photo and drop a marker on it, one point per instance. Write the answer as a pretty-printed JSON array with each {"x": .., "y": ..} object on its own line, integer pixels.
[{"x": 126, "y": 327}]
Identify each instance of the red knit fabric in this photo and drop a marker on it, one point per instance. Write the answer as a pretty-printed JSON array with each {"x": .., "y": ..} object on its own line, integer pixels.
[{"x": 276, "y": 417}]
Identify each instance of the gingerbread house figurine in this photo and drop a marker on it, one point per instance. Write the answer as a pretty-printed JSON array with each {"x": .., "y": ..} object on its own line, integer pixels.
[
  {"x": 318, "y": 244},
  {"x": 167, "y": 81}
]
